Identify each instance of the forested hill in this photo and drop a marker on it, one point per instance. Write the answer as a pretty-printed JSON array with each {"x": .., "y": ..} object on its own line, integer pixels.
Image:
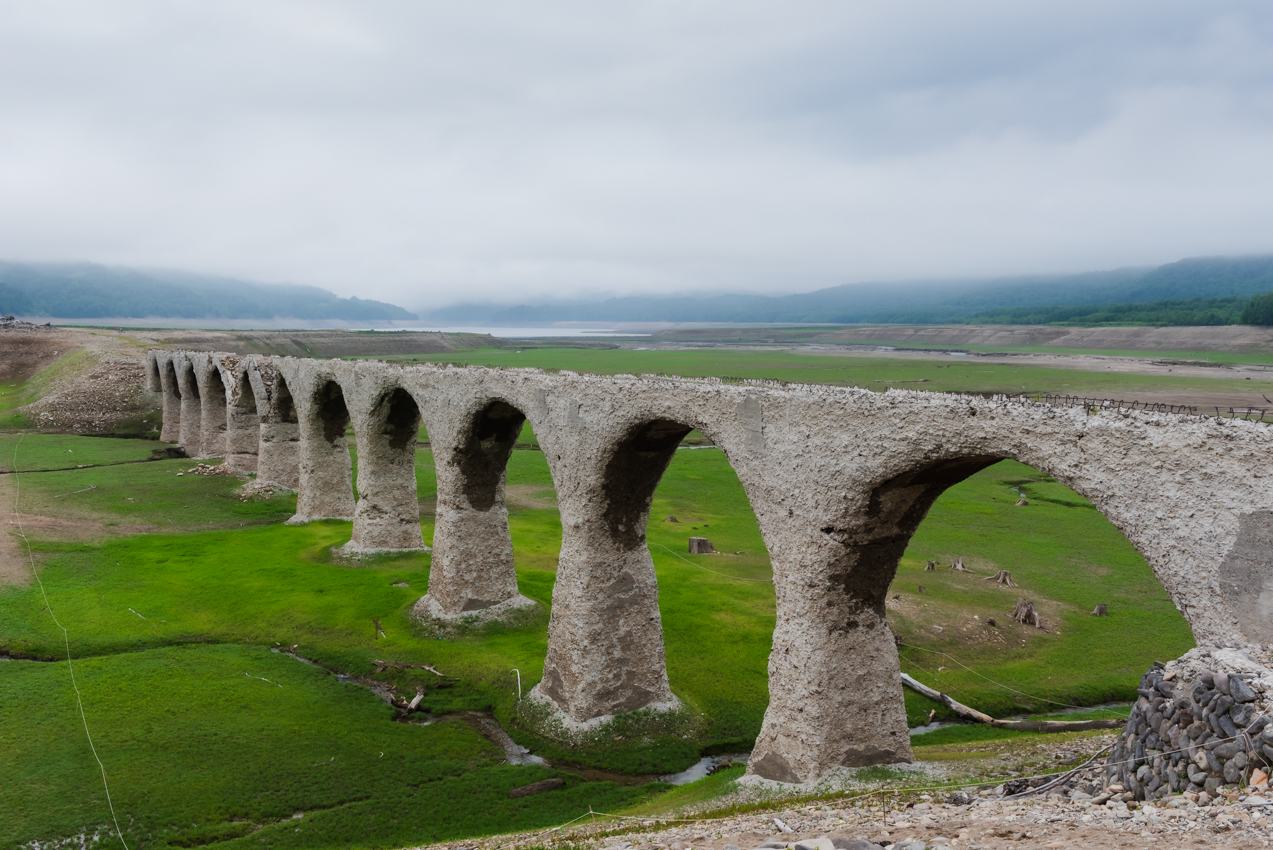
[
  {"x": 1184, "y": 285},
  {"x": 88, "y": 291}
]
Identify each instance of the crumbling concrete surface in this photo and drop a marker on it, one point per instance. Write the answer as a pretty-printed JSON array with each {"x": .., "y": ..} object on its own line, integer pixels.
[{"x": 839, "y": 479}]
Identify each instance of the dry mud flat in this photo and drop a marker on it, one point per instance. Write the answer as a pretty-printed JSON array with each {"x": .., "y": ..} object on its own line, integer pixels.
[{"x": 985, "y": 824}]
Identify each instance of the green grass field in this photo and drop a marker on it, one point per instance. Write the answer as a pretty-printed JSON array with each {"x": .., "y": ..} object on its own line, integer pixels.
[
  {"x": 171, "y": 625},
  {"x": 875, "y": 373}
]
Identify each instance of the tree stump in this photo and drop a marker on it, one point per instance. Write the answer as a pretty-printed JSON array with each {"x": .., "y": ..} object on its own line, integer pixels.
[
  {"x": 958, "y": 565},
  {"x": 701, "y": 546},
  {"x": 1022, "y": 502},
  {"x": 930, "y": 566},
  {"x": 1002, "y": 577},
  {"x": 922, "y": 589},
  {"x": 1025, "y": 614},
  {"x": 1101, "y": 611},
  {"x": 671, "y": 519}
]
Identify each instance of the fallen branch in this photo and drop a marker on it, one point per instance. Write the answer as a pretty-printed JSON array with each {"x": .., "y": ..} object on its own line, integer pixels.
[
  {"x": 1021, "y": 725},
  {"x": 381, "y": 666}
]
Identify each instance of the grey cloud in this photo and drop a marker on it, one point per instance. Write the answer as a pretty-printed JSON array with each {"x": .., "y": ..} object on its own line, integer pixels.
[{"x": 427, "y": 153}]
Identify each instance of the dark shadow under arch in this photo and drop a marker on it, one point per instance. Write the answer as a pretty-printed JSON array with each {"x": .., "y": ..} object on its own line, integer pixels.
[
  {"x": 485, "y": 451},
  {"x": 632, "y": 474}
]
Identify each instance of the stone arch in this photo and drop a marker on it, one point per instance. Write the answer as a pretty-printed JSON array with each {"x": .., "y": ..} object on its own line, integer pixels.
[
  {"x": 326, "y": 485},
  {"x": 387, "y": 515},
  {"x": 832, "y": 636},
  {"x": 171, "y": 431},
  {"x": 472, "y": 566},
  {"x": 243, "y": 424},
  {"x": 605, "y": 600},
  {"x": 278, "y": 459},
  {"x": 191, "y": 437}
]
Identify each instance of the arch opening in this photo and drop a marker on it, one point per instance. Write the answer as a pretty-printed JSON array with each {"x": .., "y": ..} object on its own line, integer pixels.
[
  {"x": 484, "y": 454},
  {"x": 1062, "y": 555},
  {"x": 633, "y": 472}
]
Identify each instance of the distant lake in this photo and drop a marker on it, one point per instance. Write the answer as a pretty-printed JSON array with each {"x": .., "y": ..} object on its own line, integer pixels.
[{"x": 518, "y": 333}]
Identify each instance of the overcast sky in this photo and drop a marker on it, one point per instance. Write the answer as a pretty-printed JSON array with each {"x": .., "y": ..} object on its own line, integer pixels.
[{"x": 425, "y": 153}]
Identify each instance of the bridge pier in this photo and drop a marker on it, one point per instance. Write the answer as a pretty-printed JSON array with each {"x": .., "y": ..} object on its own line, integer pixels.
[
  {"x": 213, "y": 395},
  {"x": 243, "y": 426},
  {"x": 472, "y": 566},
  {"x": 191, "y": 434},
  {"x": 325, "y": 488},
  {"x": 387, "y": 516},
  {"x": 605, "y": 638},
  {"x": 278, "y": 454},
  {"x": 170, "y": 431}
]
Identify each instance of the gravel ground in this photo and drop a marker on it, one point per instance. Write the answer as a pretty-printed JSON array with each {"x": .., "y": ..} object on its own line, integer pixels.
[{"x": 988, "y": 824}]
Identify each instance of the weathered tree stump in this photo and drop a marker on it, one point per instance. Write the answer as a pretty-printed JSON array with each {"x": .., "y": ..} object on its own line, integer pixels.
[
  {"x": 958, "y": 565},
  {"x": 930, "y": 566},
  {"x": 1100, "y": 611},
  {"x": 922, "y": 589},
  {"x": 671, "y": 519},
  {"x": 1022, "y": 502},
  {"x": 1003, "y": 577},
  {"x": 1023, "y": 612},
  {"x": 701, "y": 546}
]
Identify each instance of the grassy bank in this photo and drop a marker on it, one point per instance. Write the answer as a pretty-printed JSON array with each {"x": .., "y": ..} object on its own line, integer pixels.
[{"x": 950, "y": 374}]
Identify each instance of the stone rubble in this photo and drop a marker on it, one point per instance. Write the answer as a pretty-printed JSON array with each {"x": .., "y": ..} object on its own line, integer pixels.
[{"x": 1196, "y": 729}]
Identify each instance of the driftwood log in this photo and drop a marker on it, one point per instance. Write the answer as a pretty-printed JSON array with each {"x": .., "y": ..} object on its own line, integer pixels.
[
  {"x": 1021, "y": 725},
  {"x": 537, "y": 787},
  {"x": 1003, "y": 577},
  {"x": 1023, "y": 612},
  {"x": 701, "y": 546}
]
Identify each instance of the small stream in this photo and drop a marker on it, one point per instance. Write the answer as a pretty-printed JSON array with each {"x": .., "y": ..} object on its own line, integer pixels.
[{"x": 489, "y": 728}]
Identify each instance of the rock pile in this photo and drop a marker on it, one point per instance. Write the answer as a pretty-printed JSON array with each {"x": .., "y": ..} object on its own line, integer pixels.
[
  {"x": 13, "y": 323},
  {"x": 1195, "y": 729}
]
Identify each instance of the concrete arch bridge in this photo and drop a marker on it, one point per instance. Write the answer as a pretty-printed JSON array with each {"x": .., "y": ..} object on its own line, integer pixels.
[{"x": 839, "y": 479}]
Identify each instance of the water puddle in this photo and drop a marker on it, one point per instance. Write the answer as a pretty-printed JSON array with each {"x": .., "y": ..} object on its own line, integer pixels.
[{"x": 704, "y": 767}]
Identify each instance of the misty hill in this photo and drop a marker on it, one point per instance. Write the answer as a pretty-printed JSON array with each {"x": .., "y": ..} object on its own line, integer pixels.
[
  {"x": 89, "y": 291},
  {"x": 1185, "y": 284}
]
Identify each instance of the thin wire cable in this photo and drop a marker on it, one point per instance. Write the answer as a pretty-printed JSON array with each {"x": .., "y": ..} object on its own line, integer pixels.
[
  {"x": 713, "y": 572},
  {"x": 1002, "y": 685},
  {"x": 66, "y": 637}
]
